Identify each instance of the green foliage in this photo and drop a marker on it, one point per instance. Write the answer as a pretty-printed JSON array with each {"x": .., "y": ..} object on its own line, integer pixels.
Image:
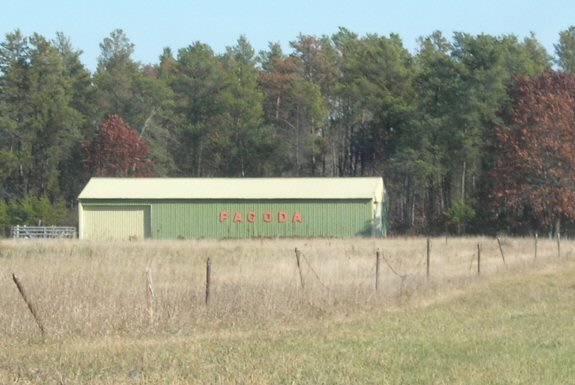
[
  {"x": 339, "y": 105},
  {"x": 4, "y": 218},
  {"x": 373, "y": 100},
  {"x": 296, "y": 92},
  {"x": 565, "y": 50},
  {"x": 38, "y": 123},
  {"x": 460, "y": 215},
  {"x": 39, "y": 211},
  {"x": 31, "y": 211},
  {"x": 459, "y": 88}
]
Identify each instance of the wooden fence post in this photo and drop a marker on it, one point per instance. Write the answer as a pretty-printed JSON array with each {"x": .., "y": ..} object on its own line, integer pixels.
[
  {"x": 149, "y": 295},
  {"x": 377, "y": 270},
  {"x": 428, "y": 257},
  {"x": 535, "y": 255},
  {"x": 478, "y": 260},
  {"x": 297, "y": 256},
  {"x": 501, "y": 251},
  {"x": 31, "y": 306},
  {"x": 208, "y": 279}
]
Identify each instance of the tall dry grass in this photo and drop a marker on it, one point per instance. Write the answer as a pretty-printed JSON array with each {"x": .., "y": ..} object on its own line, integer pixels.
[{"x": 94, "y": 289}]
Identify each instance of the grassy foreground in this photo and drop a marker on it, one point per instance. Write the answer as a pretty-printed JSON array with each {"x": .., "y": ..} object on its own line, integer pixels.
[{"x": 513, "y": 327}]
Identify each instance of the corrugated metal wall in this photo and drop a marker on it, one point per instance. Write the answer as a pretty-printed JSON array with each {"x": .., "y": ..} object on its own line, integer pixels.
[
  {"x": 244, "y": 218},
  {"x": 239, "y": 219},
  {"x": 116, "y": 222}
]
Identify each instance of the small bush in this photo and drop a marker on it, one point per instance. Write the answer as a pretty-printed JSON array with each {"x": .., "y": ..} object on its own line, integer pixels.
[{"x": 461, "y": 214}]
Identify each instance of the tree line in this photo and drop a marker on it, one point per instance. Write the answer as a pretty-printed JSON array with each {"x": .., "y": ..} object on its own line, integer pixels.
[{"x": 433, "y": 123}]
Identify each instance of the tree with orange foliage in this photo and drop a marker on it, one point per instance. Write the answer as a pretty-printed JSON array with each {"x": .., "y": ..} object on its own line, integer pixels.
[
  {"x": 534, "y": 170},
  {"x": 118, "y": 151}
]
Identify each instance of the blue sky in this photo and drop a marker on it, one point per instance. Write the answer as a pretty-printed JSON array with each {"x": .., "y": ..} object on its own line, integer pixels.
[{"x": 151, "y": 26}]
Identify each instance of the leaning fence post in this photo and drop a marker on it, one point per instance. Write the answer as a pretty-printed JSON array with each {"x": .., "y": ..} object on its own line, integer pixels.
[
  {"x": 501, "y": 251},
  {"x": 208, "y": 279},
  {"x": 297, "y": 256},
  {"x": 31, "y": 306}
]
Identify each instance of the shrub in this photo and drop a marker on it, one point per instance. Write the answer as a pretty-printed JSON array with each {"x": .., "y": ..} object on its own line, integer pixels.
[{"x": 461, "y": 214}]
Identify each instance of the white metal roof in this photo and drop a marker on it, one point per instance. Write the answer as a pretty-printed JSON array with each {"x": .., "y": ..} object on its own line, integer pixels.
[{"x": 234, "y": 188}]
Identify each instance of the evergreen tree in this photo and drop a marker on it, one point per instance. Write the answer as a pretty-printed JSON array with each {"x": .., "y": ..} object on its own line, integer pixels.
[
  {"x": 14, "y": 110},
  {"x": 135, "y": 93},
  {"x": 72, "y": 176},
  {"x": 115, "y": 77},
  {"x": 295, "y": 106},
  {"x": 243, "y": 141},
  {"x": 38, "y": 122},
  {"x": 374, "y": 94},
  {"x": 197, "y": 83},
  {"x": 565, "y": 50}
]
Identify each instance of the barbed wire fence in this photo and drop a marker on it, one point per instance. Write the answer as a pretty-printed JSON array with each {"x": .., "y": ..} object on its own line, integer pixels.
[{"x": 405, "y": 269}]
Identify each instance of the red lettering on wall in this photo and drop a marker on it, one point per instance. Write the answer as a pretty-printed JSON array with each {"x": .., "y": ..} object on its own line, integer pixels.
[
  {"x": 268, "y": 217},
  {"x": 224, "y": 215}
]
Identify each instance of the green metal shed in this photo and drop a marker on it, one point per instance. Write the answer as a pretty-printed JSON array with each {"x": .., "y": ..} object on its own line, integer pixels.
[{"x": 216, "y": 208}]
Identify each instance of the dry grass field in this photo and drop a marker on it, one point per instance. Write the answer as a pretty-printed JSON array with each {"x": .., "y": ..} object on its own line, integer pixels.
[{"x": 262, "y": 327}]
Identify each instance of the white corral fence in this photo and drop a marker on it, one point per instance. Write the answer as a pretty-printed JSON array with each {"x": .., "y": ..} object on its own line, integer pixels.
[{"x": 28, "y": 232}]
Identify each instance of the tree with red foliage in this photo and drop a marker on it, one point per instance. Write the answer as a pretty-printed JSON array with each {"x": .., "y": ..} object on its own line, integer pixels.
[
  {"x": 118, "y": 151},
  {"x": 534, "y": 170}
]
